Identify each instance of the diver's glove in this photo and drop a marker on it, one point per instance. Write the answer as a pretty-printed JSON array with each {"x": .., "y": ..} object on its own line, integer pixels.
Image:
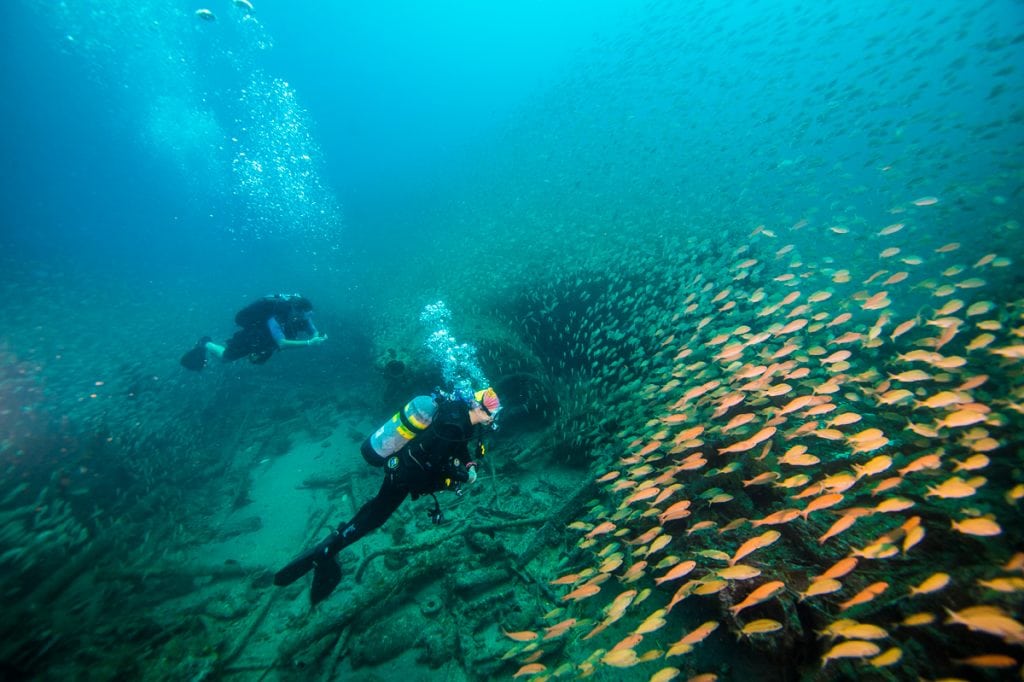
[{"x": 471, "y": 470}]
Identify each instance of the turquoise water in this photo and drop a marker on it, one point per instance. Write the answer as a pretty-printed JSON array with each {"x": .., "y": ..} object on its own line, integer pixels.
[{"x": 616, "y": 202}]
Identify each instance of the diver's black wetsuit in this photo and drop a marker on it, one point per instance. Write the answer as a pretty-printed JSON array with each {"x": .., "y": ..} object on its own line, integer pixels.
[
  {"x": 435, "y": 460},
  {"x": 257, "y": 337}
]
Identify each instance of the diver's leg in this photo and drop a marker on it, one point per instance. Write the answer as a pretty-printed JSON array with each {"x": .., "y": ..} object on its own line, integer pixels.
[
  {"x": 321, "y": 559},
  {"x": 370, "y": 516}
]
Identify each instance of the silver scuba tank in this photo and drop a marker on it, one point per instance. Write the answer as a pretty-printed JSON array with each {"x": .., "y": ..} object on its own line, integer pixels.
[{"x": 405, "y": 425}]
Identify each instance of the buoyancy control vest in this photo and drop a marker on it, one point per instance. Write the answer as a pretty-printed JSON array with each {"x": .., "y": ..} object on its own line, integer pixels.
[{"x": 284, "y": 308}]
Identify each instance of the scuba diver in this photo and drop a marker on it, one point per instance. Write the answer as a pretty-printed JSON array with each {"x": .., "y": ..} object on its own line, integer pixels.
[
  {"x": 423, "y": 449},
  {"x": 270, "y": 324}
]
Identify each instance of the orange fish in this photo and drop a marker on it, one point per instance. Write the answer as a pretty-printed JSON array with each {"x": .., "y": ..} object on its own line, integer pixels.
[
  {"x": 840, "y": 482},
  {"x": 981, "y": 526},
  {"x": 678, "y": 571},
  {"x": 582, "y": 592},
  {"x": 688, "y": 434},
  {"x": 611, "y": 563},
  {"x": 839, "y": 319},
  {"x": 635, "y": 572},
  {"x": 699, "y": 634},
  {"x": 646, "y": 536},
  {"x": 917, "y": 619},
  {"x": 838, "y": 527},
  {"x": 738, "y": 421},
  {"x": 865, "y": 595},
  {"x": 875, "y": 466},
  {"x": 870, "y": 446},
  {"x": 601, "y": 529},
  {"x": 822, "y": 502},
  {"x": 559, "y": 629},
  {"x": 762, "y": 479},
  {"x": 628, "y": 642},
  {"x": 530, "y": 669},
  {"x": 990, "y": 619},
  {"x": 620, "y": 658},
  {"x": 865, "y": 436},
  {"x": 700, "y": 525},
  {"x": 989, "y": 661},
  {"x": 760, "y": 627},
  {"x": 893, "y": 504},
  {"x": 877, "y": 301},
  {"x": 821, "y": 408},
  {"x": 749, "y": 443},
  {"x": 959, "y": 419},
  {"x": 521, "y": 636},
  {"x": 684, "y": 591},
  {"x": 933, "y": 583},
  {"x": 845, "y": 419},
  {"x": 649, "y": 448},
  {"x": 738, "y": 572},
  {"x": 639, "y": 495},
  {"x": 691, "y": 463},
  {"x": 679, "y": 510},
  {"x": 618, "y": 607},
  {"x": 848, "y": 337},
  {"x": 914, "y": 536},
  {"x": 954, "y": 487},
  {"x": 853, "y": 648},
  {"x": 568, "y": 579},
  {"x": 911, "y": 375},
  {"x": 779, "y": 517},
  {"x": 793, "y": 326},
  {"x": 930, "y": 461},
  {"x": 839, "y": 569},
  {"x": 761, "y": 594},
  {"x": 822, "y": 586},
  {"x": 887, "y": 484},
  {"x": 796, "y": 404},
  {"x": 652, "y": 623},
  {"x": 753, "y": 544}
]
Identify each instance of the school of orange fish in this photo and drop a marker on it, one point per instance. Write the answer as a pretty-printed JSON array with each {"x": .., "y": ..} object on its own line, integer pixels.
[{"x": 812, "y": 437}]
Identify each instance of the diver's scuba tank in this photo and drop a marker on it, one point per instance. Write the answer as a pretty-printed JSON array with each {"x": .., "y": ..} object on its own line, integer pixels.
[{"x": 406, "y": 424}]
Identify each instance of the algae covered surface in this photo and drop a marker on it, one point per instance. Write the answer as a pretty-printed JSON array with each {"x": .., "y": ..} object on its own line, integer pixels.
[{"x": 747, "y": 278}]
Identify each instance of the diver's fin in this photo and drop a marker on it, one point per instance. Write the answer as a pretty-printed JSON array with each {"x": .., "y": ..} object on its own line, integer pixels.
[
  {"x": 195, "y": 359},
  {"x": 299, "y": 567},
  {"x": 326, "y": 576}
]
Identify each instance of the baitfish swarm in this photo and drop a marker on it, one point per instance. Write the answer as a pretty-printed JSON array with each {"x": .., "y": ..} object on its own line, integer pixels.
[{"x": 819, "y": 452}]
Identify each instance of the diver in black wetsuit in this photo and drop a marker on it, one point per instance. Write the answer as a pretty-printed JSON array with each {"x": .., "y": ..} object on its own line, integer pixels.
[
  {"x": 270, "y": 324},
  {"x": 435, "y": 460}
]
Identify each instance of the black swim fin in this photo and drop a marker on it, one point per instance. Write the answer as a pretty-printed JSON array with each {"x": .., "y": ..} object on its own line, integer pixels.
[
  {"x": 326, "y": 576},
  {"x": 326, "y": 571},
  {"x": 299, "y": 567},
  {"x": 195, "y": 359}
]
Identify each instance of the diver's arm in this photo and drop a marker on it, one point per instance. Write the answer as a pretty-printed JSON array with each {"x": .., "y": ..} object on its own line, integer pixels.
[
  {"x": 282, "y": 343},
  {"x": 291, "y": 343}
]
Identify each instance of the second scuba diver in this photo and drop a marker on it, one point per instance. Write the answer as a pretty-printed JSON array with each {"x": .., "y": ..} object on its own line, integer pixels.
[{"x": 270, "y": 324}]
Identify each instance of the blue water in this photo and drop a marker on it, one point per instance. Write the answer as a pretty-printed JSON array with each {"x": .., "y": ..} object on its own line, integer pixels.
[
  {"x": 160, "y": 171},
  {"x": 123, "y": 115}
]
